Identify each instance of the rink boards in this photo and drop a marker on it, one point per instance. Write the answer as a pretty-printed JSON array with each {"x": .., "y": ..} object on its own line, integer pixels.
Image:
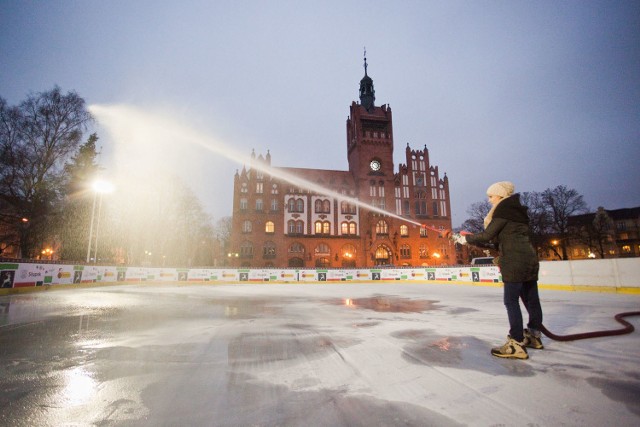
[{"x": 617, "y": 275}]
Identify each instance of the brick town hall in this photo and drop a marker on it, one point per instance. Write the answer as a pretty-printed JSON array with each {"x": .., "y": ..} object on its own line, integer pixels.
[{"x": 277, "y": 223}]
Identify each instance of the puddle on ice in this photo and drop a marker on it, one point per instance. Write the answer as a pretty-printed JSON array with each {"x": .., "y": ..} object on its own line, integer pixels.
[
  {"x": 429, "y": 348},
  {"x": 389, "y": 304}
]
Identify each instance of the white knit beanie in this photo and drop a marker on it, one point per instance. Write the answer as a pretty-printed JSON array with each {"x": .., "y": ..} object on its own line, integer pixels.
[{"x": 503, "y": 189}]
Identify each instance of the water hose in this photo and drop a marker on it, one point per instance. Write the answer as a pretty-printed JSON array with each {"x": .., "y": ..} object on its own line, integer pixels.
[{"x": 628, "y": 328}]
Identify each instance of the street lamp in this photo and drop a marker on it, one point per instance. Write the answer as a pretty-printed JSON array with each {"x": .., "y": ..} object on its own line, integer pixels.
[
  {"x": 99, "y": 187},
  {"x": 48, "y": 252}
]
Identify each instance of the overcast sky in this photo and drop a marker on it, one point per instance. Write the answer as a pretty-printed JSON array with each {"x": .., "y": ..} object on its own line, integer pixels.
[{"x": 541, "y": 93}]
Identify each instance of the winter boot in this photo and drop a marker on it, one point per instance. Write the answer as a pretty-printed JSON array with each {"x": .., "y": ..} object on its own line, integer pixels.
[
  {"x": 532, "y": 339},
  {"x": 511, "y": 349}
]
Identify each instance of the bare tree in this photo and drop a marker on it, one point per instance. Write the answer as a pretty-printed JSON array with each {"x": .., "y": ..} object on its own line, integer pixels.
[
  {"x": 539, "y": 220},
  {"x": 223, "y": 231},
  {"x": 561, "y": 203},
  {"x": 477, "y": 212},
  {"x": 36, "y": 138}
]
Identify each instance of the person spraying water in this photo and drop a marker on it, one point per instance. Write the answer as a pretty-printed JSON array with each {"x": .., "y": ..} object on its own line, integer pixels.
[{"x": 507, "y": 226}]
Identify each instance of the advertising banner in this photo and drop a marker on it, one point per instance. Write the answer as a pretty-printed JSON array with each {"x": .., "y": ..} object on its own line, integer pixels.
[
  {"x": 310, "y": 275},
  {"x": 486, "y": 274}
]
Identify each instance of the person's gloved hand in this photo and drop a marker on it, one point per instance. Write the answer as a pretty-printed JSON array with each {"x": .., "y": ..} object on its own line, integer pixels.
[{"x": 457, "y": 238}]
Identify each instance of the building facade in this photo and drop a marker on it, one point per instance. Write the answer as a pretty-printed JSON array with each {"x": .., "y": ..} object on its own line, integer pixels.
[
  {"x": 369, "y": 215},
  {"x": 613, "y": 233}
]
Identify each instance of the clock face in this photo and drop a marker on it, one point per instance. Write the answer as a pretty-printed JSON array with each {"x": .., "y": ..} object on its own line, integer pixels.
[{"x": 374, "y": 165}]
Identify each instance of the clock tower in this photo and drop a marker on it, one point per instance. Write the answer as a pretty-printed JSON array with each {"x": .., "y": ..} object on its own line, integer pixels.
[{"x": 370, "y": 145}]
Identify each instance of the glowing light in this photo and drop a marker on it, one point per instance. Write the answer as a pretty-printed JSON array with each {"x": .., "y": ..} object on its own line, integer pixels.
[
  {"x": 436, "y": 255},
  {"x": 348, "y": 302},
  {"x": 100, "y": 186},
  {"x": 79, "y": 388}
]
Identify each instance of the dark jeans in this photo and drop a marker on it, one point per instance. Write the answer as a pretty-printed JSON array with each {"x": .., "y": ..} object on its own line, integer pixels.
[{"x": 528, "y": 291}]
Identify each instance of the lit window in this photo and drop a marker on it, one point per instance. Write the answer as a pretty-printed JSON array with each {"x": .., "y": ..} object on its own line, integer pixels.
[
  {"x": 269, "y": 227},
  {"x": 382, "y": 227},
  {"x": 404, "y": 231}
]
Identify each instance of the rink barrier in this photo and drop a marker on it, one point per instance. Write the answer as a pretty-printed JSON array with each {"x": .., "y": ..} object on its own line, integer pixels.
[{"x": 619, "y": 275}]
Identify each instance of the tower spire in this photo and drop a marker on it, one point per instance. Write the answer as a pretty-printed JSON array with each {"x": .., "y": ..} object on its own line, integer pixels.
[
  {"x": 367, "y": 93},
  {"x": 365, "y": 60}
]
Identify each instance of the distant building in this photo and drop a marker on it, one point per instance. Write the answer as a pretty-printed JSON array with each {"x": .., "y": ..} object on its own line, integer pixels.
[
  {"x": 605, "y": 234},
  {"x": 277, "y": 223}
]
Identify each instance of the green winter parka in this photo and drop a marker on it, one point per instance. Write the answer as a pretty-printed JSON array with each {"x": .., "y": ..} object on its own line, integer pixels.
[{"x": 509, "y": 230}]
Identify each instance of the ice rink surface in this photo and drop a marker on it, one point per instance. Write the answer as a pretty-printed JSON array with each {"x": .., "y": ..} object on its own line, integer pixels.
[{"x": 309, "y": 355}]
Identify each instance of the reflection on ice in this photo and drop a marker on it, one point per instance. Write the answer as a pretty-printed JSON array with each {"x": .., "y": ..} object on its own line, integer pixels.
[
  {"x": 385, "y": 303},
  {"x": 79, "y": 388}
]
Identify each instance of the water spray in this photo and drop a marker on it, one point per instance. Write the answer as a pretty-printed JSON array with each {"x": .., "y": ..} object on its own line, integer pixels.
[{"x": 117, "y": 116}]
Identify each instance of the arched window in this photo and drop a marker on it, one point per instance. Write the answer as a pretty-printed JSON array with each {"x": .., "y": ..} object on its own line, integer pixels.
[
  {"x": 318, "y": 206},
  {"x": 382, "y": 227},
  {"x": 296, "y": 248},
  {"x": 404, "y": 231},
  {"x": 405, "y": 251},
  {"x": 348, "y": 228},
  {"x": 269, "y": 227},
  {"x": 322, "y": 227},
  {"x": 423, "y": 251},
  {"x": 246, "y": 226},
  {"x": 295, "y": 227},
  {"x": 348, "y": 254},
  {"x": 244, "y": 204},
  {"x": 326, "y": 206},
  {"x": 269, "y": 250},
  {"x": 322, "y": 249},
  {"x": 259, "y": 205},
  {"x": 421, "y": 203},
  {"x": 382, "y": 255},
  {"x": 295, "y": 205},
  {"x": 344, "y": 228},
  {"x": 246, "y": 249},
  {"x": 347, "y": 208}
]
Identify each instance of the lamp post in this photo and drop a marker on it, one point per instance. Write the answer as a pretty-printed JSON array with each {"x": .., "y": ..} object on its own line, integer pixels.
[{"x": 99, "y": 187}]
